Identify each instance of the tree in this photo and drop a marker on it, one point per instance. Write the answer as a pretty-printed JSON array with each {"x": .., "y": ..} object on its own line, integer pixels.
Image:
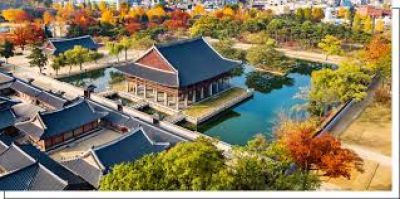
[
  {"x": 95, "y": 56},
  {"x": 7, "y": 50},
  {"x": 331, "y": 45},
  {"x": 27, "y": 34},
  {"x": 368, "y": 24},
  {"x": 187, "y": 166},
  {"x": 328, "y": 86},
  {"x": 267, "y": 58},
  {"x": 126, "y": 44},
  {"x": 38, "y": 58},
  {"x": 317, "y": 14},
  {"x": 322, "y": 153},
  {"x": 357, "y": 23},
  {"x": 15, "y": 15},
  {"x": 199, "y": 10},
  {"x": 114, "y": 49},
  {"x": 107, "y": 16},
  {"x": 225, "y": 48},
  {"x": 59, "y": 62},
  {"x": 77, "y": 56},
  {"x": 379, "y": 26},
  {"x": 377, "y": 55},
  {"x": 47, "y": 18}
]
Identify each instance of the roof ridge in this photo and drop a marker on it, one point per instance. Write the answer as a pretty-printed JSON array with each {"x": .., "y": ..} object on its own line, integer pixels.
[
  {"x": 115, "y": 141},
  {"x": 177, "y": 42},
  {"x": 73, "y": 104},
  {"x": 68, "y": 39}
]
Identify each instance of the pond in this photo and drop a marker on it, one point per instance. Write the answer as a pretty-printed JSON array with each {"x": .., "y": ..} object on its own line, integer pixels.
[
  {"x": 273, "y": 96},
  {"x": 103, "y": 79}
]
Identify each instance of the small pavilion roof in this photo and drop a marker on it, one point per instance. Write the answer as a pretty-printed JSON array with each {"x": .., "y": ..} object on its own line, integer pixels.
[{"x": 60, "y": 45}]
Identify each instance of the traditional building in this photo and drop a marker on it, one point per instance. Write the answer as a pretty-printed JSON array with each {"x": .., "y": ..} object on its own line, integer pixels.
[
  {"x": 180, "y": 73},
  {"x": 98, "y": 161},
  {"x": 7, "y": 115},
  {"x": 24, "y": 167},
  {"x": 60, "y": 45},
  {"x": 48, "y": 129}
]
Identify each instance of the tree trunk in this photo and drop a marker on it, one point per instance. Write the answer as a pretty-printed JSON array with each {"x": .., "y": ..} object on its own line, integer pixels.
[
  {"x": 126, "y": 55},
  {"x": 80, "y": 66}
]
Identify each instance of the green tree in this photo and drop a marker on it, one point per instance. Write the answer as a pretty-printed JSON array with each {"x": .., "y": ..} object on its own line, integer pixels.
[
  {"x": 299, "y": 14},
  {"x": 59, "y": 62},
  {"x": 328, "y": 86},
  {"x": 77, "y": 56},
  {"x": 267, "y": 58},
  {"x": 38, "y": 58},
  {"x": 225, "y": 48},
  {"x": 95, "y": 56},
  {"x": 126, "y": 44},
  {"x": 114, "y": 49},
  {"x": 7, "y": 50},
  {"x": 331, "y": 45}
]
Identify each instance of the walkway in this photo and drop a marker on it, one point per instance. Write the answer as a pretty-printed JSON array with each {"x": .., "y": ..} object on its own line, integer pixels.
[{"x": 298, "y": 54}]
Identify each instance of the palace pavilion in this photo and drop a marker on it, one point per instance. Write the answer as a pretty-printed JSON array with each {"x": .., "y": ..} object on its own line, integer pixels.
[{"x": 179, "y": 74}]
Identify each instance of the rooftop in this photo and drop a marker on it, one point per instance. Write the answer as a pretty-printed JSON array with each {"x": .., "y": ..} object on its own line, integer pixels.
[{"x": 60, "y": 45}]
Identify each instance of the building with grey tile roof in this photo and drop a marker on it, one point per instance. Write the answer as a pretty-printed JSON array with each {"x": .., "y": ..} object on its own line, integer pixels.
[
  {"x": 56, "y": 46},
  {"x": 100, "y": 160}
]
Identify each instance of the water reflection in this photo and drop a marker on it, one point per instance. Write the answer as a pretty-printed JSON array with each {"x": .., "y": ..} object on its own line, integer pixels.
[{"x": 226, "y": 115}]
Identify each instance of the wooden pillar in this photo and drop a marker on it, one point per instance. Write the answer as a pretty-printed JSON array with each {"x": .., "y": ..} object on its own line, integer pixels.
[
  {"x": 217, "y": 86},
  {"x": 210, "y": 89},
  {"x": 145, "y": 91},
  {"x": 136, "y": 89},
  {"x": 194, "y": 96},
  {"x": 177, "y": 102},
  {"x": 165, "y": 98},
  {"x": 155, "y": 93}
]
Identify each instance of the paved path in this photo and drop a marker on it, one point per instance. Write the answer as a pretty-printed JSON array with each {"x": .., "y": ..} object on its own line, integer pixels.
[
  {"x": 298, "y": 54},
  {"x": 366, "y": 153}
]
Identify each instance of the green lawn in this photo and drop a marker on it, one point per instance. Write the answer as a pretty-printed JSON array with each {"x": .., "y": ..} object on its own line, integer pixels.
[{"x": 204, "y": 107}]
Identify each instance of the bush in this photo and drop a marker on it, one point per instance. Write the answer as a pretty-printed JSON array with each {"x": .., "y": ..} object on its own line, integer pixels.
[{"x": 383, "y": 95}]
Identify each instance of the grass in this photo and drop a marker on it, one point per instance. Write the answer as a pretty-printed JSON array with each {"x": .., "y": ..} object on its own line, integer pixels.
[{"x": 206, "y": 106}]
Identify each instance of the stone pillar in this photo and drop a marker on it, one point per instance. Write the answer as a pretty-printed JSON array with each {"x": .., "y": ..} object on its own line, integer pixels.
[
  {"x": 186, "y": 99},
  {"x": 202, "y": 93},
  {"x": 210, "y": 89},
  {"x": 194, "y": 96},
  {"x": 165, "y": 99}
]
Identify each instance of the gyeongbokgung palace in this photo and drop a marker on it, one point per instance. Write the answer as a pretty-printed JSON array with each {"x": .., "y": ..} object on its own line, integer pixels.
[{"x": 179, "y": 74}]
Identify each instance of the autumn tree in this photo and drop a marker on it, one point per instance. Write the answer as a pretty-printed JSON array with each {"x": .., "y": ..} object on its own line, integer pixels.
[
  {"x": 7, "y": 49},
  {"x": 15, "y": 15},
  {"x": 38, "y": 58},
  {"x": 27, "y": 34},
  {"x": 317, "y": 14},
  {"x": 156, "y": 14},
  {"x": 47, "y": 18},
  {"x": 198, "y": 10},
  {"x": 322, "y": 153},
  {"x": 179, "y": 19},
  {"x": 377, "y": 55},
  {"x": 107, "y": 16},
  {"x": 331, "y": 45},
  {"x": 368, "y": 24},
  {"x": 83, "y": 19}
]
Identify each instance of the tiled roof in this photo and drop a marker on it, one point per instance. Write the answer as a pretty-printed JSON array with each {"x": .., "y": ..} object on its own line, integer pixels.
[
  {"x": 127, "y": 148},
  {"x": 52, "y": 165},
  {"x": 68, "y": 118},
  {"x": 167, "y": 79},
  {"x": 195, "y": 60},
  {"x": 62, "y": 45},
  {"x": 4, "y": 78},
  {"x": 25, "y": 88},
  {"x": 51, "y": 99},
  {"x": 7, "y": 119},
  {"x": 88, "y": 172},
  {"x": 154, "y": 133},
  {"x": 32, "y": 177},
  {"x": 13, "y": 158}
]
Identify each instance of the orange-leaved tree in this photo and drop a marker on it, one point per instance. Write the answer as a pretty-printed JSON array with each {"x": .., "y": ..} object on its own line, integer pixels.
[
  {"x": 179, "y": 19},
  {"x": 322, "y": 153}
]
